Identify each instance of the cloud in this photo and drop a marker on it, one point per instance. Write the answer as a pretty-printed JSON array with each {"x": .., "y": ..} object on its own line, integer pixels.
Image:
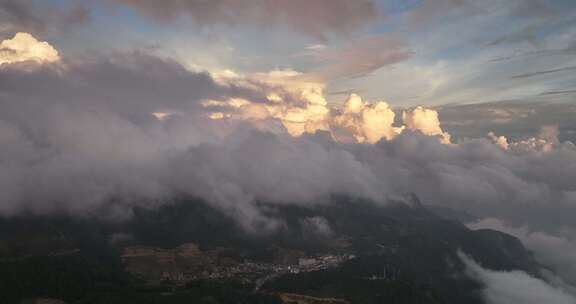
[
  {"x": 453, "y": 61},
  {"x": 556, "y": 250},
  {"x": 100, "y": 138},
  {"x": 538, "y": 73},
  {"x": 428, "y": 10},
  {"x": 425, "y": 121},
  {"x": 316, "y": 226},
  {"x": 546, "y": 141},
  {"x": 299, "y": 104},
  {"x": 517, "y": 121},
  {"x": 367, "y": 122},
  {"x": 501, "y": 141},
  {"x": 514, "y": 286},
  {"x": 359, "y": 57},
  {"x": 317, "y": 18},
  {"x": 38, "y": 18},
  {"x": 558, "y": 92},
  {"x": 24, "y": 47},
  {"x": 94, "y": 141}
]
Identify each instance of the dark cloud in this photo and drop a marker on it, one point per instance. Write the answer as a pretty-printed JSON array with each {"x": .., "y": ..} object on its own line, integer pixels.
[
  {"x": 319, "y": 18},
  {"x": 127, "y": 83},
  {"x": 18, "y": 15},
  {"x": 36, "y": 17}
]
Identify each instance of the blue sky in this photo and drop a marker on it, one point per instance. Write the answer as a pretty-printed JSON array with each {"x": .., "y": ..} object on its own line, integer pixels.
[{"x": 412, "y": 51}]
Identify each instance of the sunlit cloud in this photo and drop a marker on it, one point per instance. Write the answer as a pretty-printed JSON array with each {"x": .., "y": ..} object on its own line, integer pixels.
[
  {"x": 425, "y": 121},
  {"x": 300, "y": 104},
  {"x": 503, "y": 287},
  {"x": 24, "y": 47}
]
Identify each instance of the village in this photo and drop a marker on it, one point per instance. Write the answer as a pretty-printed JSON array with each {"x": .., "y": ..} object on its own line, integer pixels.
[
  {"x": 188, "y": 263},
  {"x": 257, "y": 272}
]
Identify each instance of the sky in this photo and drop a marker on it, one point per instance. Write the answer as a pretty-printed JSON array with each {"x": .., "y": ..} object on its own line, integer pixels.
[
  {"x": 106, "y": 105},
  {"x": 406, "y": 52}
]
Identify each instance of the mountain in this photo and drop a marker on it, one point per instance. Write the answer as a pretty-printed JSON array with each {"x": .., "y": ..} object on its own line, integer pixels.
[{"x": 344, "y": 251}]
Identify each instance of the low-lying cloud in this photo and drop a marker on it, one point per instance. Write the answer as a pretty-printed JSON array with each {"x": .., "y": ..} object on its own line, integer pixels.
[
  {"x": 105, "y": 133},
  {"x": 556, "y": 249},
  {"x": 514, "y": 286}
]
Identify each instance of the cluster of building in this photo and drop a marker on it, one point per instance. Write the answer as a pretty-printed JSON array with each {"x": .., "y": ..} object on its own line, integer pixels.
[
  {"x": 308, "y": 264},
  {"x": 257, "y": 272}
]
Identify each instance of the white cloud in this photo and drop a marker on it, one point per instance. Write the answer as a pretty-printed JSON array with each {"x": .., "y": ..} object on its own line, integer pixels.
[
  {"x": 366, "y": 122},
  {"x": 512, "y": 287},
  {"x": 300, "y": 105},
  {"x": 546, "y": 141},
  {"x": 556, "y": 251},
  {"x": 24, "y": 47},
  {"x": 425, "y": 121}
]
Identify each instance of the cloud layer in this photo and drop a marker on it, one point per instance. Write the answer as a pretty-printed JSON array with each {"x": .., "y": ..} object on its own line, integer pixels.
[
  {"x": 515, "y": 286},
  {"x": 38, "y": 17},
  {"x": 100, "y": 134},
  {"x": 556, "y": 250},
  {"x": 316, "y": 18}
]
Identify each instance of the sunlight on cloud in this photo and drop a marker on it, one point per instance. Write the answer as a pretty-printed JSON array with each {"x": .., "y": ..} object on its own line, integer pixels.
[
  {"x": 546, "y": 141},
  {"x": 24, "y": 47},
  {"x": 300, "y": 105},
  {"x": 368, "y": 123},
  {"x": 426, "y": 121}
]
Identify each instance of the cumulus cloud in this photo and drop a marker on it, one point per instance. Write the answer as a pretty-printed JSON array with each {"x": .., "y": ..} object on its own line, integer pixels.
[
  {"x": 514, "y": 120},
  {"x": 300, "y": 105},
  {"x": 546, "y": 141},
  {"x": 425, "y": 121},
  {"x": 500, "y": 141},
  {"x": 316, "y": 18},
  {"x": 367, "y": 122},
  {"x": 24, "y": 47},
  {"x": 514, "y": 286}
]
